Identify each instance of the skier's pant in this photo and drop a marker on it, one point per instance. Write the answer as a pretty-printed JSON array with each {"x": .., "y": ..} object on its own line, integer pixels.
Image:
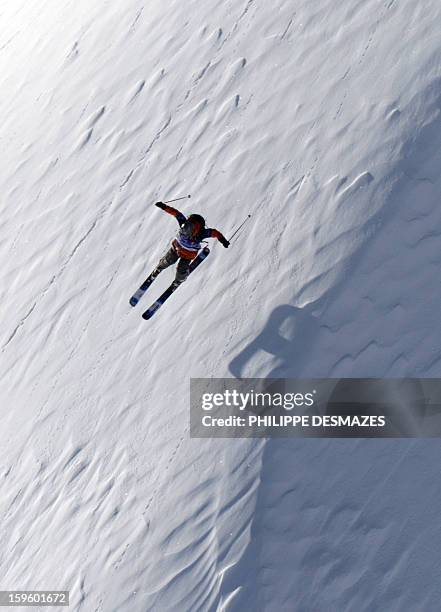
[{"x": 171, "y": 257}]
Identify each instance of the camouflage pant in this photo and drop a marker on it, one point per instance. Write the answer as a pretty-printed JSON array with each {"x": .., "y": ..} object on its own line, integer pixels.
[{"x": 170, "y": 258}]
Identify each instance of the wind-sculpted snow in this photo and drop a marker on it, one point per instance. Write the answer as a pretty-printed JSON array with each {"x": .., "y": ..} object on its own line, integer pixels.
[{"x": 322, "y": 121}]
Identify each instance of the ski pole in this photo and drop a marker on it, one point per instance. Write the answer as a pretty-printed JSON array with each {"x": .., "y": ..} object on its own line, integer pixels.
[
  {"x": 176, "y": 199},
  {"x": 240, "y": 227}
]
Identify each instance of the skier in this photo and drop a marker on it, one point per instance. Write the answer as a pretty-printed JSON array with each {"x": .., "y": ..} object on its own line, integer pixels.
[{"x": 187, "y": 243}]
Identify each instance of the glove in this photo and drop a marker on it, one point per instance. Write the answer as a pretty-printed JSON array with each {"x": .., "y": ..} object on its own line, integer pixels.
[
  {"x": 160, "y": 205},
  {"x": 224, "y": 242}
]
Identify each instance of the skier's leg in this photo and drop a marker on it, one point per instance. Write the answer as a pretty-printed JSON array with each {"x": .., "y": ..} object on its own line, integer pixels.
[
  {"x": 182, "y": 270},
  {"x": 167, "y": 260}
]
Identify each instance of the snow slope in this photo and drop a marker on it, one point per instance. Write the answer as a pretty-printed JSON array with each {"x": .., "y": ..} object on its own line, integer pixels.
[{"x": 322, "y": 120}]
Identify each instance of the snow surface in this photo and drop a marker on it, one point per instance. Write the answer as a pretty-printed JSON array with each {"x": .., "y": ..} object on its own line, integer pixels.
[{"x": 322, "y": 120}]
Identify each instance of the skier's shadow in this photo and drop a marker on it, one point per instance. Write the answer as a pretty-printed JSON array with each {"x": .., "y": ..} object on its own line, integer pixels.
[{"x": 288, "y": 335}]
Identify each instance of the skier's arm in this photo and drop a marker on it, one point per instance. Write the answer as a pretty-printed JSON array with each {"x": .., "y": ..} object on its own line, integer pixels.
[
  {"x": 172, "y": 211},
  {"x": 214, "y": 233}
]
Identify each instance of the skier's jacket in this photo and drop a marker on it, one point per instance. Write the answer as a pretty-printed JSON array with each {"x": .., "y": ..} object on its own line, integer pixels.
[{"x": 188, "y": 240}]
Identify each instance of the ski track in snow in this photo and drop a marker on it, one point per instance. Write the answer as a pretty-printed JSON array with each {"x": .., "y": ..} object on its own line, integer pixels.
[{"x": 322, "y": 121}]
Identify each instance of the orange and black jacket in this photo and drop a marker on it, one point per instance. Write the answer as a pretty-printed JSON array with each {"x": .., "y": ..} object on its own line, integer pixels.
[{"x": 186, "y": 246}]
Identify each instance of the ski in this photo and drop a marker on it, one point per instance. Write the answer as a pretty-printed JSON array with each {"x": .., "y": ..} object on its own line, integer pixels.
[
  {"x": 148, "y": 314},
  {"x": 143, "y": 288}
]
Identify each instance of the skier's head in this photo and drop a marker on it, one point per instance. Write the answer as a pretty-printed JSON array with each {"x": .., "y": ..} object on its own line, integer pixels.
[
  {"x": 197, "y": 219},
  {"x": 194, "y": 225}
]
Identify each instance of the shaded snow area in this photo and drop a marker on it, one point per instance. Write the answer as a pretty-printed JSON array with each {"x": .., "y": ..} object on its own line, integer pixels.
[{"x": 321, "y": 120}]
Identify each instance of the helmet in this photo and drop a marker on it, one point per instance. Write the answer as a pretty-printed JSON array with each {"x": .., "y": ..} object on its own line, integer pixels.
[
  {"x": 197, "y": 219},
  {"x": 193, "y": 226}
]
